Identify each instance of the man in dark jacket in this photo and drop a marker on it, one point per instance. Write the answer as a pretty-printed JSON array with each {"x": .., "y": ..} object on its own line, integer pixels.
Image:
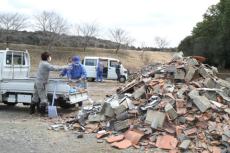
[{"x": 118, "y": 70}]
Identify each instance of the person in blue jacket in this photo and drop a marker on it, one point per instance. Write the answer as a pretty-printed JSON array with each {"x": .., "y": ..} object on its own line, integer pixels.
[
  {"x": 99, "y": 69},
  {"x": 76, "y": 72}
]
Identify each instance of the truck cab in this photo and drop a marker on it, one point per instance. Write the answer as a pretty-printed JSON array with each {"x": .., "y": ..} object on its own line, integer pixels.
[
  {"x": 14, "y": 64},
  {"x": 109, "y": 71}
]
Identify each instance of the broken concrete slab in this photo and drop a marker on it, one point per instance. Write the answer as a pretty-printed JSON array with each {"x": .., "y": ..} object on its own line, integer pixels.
[
  {"x": 155, "y": 118},
  {"x": 185, "y": 144},
  {"x": 120, "y": 109},
  {"x": 190, "y": 73},
  {"x": 192, "y": 62},
  {"x": 179, "y": 74},
  {"x": 181, "y": 91},
  {"x": 170, "y": 111},
  {"x": 210, "y": 83},
  {"x": 123, "y": 116},
  {"x": 139, "y": 92},
  {"x": 203, "y": 71},
  {"x": 223, "y": 83},
  {"x": 107, "y": 110},
  {"x": 96, "y": 117},
  {"x": 121, "y": 125},
  {"x": 200, "y": 101},
  {"x": 166, "y": 142}
]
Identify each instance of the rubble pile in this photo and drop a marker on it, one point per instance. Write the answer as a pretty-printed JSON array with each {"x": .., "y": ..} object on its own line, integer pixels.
[{"x": 178, "y": 106}]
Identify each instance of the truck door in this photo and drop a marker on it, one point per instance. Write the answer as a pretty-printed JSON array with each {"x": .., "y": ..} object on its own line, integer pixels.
[
  {"x": 112, "y": 69},
  {"x": 16, "y": 65}
]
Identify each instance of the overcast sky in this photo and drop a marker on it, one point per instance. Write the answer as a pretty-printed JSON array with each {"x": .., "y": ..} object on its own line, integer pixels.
[{"x": 142, "y": 19}]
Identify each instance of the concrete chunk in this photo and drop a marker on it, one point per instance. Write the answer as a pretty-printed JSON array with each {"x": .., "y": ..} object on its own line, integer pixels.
[
  {"x": 181, "y": 91},
  {"x": 107, "y": 110},
  {"x": 96, "y": 118},
  {"x": 120, "y": 109},
  {"x": 185, "y": 144},
  {"x": 120, "y": 125},
  {"x": 190, "y": 73},
  {"x": 203, "y": 71},
  {"x": 170, "y": 111},
  {"x": 179, "y": 74},
  {"x": 202, "y": 103},
  {"x": 139, "y": 92},
  {"x": 155, "y": 119},
  {"x": 209, "y": 83},
  {"x": 192, "y": 62}
]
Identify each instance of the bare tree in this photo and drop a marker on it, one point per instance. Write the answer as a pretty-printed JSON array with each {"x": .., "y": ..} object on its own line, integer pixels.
[
  {"x": 53, "y": 25},
  {"x": 87, "y": 31},
  {"x": 12, "y": 22},
  {"x": 120, "y": 37},
  {"x": 160, "y": 42}
]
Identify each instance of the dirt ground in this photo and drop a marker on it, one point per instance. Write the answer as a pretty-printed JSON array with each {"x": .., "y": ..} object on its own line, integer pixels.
[{"x": 21, "y": 132}]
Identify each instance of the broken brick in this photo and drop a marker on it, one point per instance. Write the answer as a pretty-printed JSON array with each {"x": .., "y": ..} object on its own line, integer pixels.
[
  {"x": 115, "y": 138},
  {"x": 124, "y": 144},
  {"x": 190, "y": 131},
  {"x": 133, "y": 136},
  {"x": 166, "y": 142}
]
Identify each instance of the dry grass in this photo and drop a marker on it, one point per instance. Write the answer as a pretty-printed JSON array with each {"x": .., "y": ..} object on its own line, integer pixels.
[{"x": 131, "y": 59}]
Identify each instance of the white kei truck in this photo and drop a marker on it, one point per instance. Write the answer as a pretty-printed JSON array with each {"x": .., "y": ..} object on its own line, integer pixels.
[
  {"x": 109, "y": 71},
  {"x": 16, "y": 85}
]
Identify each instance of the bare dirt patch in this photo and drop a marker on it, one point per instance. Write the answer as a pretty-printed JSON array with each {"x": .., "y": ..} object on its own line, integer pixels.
[{"x": 24, "y": 133}]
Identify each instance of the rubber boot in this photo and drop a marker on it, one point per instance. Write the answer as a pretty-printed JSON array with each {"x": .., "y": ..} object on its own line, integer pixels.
[
  {"x": 32, "y": 108},
  {"x": 43, "y": 108}
]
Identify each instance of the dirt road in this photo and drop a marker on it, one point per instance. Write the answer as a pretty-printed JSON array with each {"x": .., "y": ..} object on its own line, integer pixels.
[{"x": 24, "y": 133}]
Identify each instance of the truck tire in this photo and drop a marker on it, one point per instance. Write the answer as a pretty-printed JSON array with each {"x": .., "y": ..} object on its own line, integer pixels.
[{"x": 122, "y": 79}]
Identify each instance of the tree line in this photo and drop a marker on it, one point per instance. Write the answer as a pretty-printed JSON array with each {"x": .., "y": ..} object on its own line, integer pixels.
[
  {"x": 51, "y": 29},
  {"x": 211, "y": 37}
]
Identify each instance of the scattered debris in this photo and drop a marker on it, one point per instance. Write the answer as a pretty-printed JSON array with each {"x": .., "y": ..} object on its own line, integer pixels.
[{"x": 178, "y": 106}]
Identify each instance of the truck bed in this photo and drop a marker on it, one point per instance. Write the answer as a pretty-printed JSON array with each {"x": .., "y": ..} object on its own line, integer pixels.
[{"x": 27, "y": 85}]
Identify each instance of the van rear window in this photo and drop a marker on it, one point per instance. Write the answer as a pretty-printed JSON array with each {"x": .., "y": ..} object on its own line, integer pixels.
[{"x": 90, "y": 62}]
